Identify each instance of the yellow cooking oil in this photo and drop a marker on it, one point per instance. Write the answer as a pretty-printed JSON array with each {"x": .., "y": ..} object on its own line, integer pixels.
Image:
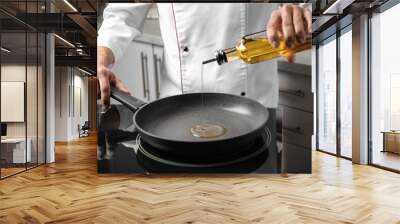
[{"x": 258, "y": 49}]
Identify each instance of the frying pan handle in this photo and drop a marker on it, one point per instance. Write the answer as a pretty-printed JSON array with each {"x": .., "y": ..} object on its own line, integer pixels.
[{"x": 127, "y": 100}]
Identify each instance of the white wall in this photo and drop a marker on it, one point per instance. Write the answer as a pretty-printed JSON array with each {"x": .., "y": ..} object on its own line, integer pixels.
[
  {"x": 79, "y": 117},
  {"x": 33, "y": 126},
  {"x": 16, "y": 73},
  {"x": 70, "y": 83},
  {"x": 50, "y": 98},
  {"x": 61, "y": 103}
]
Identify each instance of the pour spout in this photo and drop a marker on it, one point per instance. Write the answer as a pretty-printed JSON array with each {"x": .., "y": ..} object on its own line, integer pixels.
[{"x": 209, "y": 61}]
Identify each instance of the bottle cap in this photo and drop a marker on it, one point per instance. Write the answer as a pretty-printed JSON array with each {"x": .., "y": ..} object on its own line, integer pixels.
[{"x": 221, "y": 57}]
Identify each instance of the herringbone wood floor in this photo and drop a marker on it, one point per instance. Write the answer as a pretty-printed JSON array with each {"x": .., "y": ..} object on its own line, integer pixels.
[{"x": 70, "y": 191}]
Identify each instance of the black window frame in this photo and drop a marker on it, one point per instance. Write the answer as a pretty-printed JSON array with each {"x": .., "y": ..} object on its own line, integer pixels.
[{"x": 333, "y": 33}]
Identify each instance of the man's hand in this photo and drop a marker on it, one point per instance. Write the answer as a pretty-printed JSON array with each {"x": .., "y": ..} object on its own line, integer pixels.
[
  {"x": 290, "y": 23},
  {"x": 106, "y": 77}
]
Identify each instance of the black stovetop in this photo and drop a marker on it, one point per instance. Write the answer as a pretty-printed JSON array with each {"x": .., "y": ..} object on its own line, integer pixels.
[{"x": 119, "y": 151}]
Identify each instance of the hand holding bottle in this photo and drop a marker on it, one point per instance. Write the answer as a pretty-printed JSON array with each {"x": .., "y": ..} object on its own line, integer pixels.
[{"x": 290, "y": 23}]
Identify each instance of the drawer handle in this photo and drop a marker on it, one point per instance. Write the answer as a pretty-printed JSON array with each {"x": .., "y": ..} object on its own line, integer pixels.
[
  {"x": 159, "y": 62},
  {"x": 147, "y": 77},
  {"x": 157, "y": 67},
  {"x": 298, "y": 93},
  {"x": 143, "y": 74},
  {"x": 297, "y": 129}
]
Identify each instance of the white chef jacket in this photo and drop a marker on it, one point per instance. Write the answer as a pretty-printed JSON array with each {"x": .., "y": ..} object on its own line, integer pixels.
[{"x": 191, "y": 34}]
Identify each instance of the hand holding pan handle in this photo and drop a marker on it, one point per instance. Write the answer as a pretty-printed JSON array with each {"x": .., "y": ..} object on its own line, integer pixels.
[{"x": 127, "y": 100}]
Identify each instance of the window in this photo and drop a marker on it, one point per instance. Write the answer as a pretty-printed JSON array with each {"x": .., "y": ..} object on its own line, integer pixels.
[
  {"x": 385, "y": 89},
  {"x": 346, "y": 92},
  {"x": 327, "y": 96}
]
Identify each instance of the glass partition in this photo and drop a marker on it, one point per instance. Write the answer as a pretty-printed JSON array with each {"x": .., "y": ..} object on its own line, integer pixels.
[
  {"x": 22, "y": 89},
  {"x": 14, "y": 153}
]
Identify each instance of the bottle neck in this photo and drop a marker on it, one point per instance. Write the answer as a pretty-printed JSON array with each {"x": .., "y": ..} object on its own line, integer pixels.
[{"x": 225, "y": 56}]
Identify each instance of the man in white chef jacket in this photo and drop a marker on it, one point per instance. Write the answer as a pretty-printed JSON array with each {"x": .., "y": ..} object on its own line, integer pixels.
[{"x": 191, "y": 34}]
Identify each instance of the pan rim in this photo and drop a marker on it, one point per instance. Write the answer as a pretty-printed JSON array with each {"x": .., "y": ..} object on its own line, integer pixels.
[{"x": 141, "y": 130}]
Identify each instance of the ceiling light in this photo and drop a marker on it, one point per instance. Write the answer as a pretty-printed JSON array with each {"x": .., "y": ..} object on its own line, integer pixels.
[
  {"x": 338, "y": 6},
  {"x": 70, "y": 5},
  {"x": 80, "y": 51},
  {"x": 5, "y": 50},
  {"x": 84, "y": 71},
  {"x": 64, "y": 40}
]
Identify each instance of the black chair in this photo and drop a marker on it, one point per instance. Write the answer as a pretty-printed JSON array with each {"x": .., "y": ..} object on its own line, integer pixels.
[{"x": 84, "y": 130}]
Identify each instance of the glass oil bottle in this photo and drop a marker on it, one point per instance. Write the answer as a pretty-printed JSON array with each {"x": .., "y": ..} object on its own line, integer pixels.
[{"x": 254, "y": 49}]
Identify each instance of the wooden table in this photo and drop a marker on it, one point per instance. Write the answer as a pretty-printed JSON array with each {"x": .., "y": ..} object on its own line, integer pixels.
[
  {"x": 391, "y": 141},
  {"x": 14, "y": 150}
]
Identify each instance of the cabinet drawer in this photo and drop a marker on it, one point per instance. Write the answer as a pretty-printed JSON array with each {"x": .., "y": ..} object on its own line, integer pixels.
[
  {"x": 297, "y": 127},
  {"x": 296, "y": 159},
  {"x": 295, "y": 89}
]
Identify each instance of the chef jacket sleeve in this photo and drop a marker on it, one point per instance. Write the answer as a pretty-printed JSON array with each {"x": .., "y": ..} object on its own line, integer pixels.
[{"x": 122, "y": 22}]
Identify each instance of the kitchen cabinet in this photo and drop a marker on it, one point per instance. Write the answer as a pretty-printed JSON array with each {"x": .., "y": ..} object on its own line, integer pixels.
[
  {"x": 297, "y": 159},
  {"x": 297, "y": 127},
  {"x": 140, "y": 70},
  {"x": 296, "y": 123},
  {"x": 295, "y": 86}
]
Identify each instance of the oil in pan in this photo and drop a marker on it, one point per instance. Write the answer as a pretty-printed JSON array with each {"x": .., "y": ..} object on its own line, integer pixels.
[{"x": 207, "y": 130}]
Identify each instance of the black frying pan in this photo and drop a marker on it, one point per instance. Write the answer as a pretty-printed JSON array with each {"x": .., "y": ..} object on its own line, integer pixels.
[{"x": 165, "y": 123}]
